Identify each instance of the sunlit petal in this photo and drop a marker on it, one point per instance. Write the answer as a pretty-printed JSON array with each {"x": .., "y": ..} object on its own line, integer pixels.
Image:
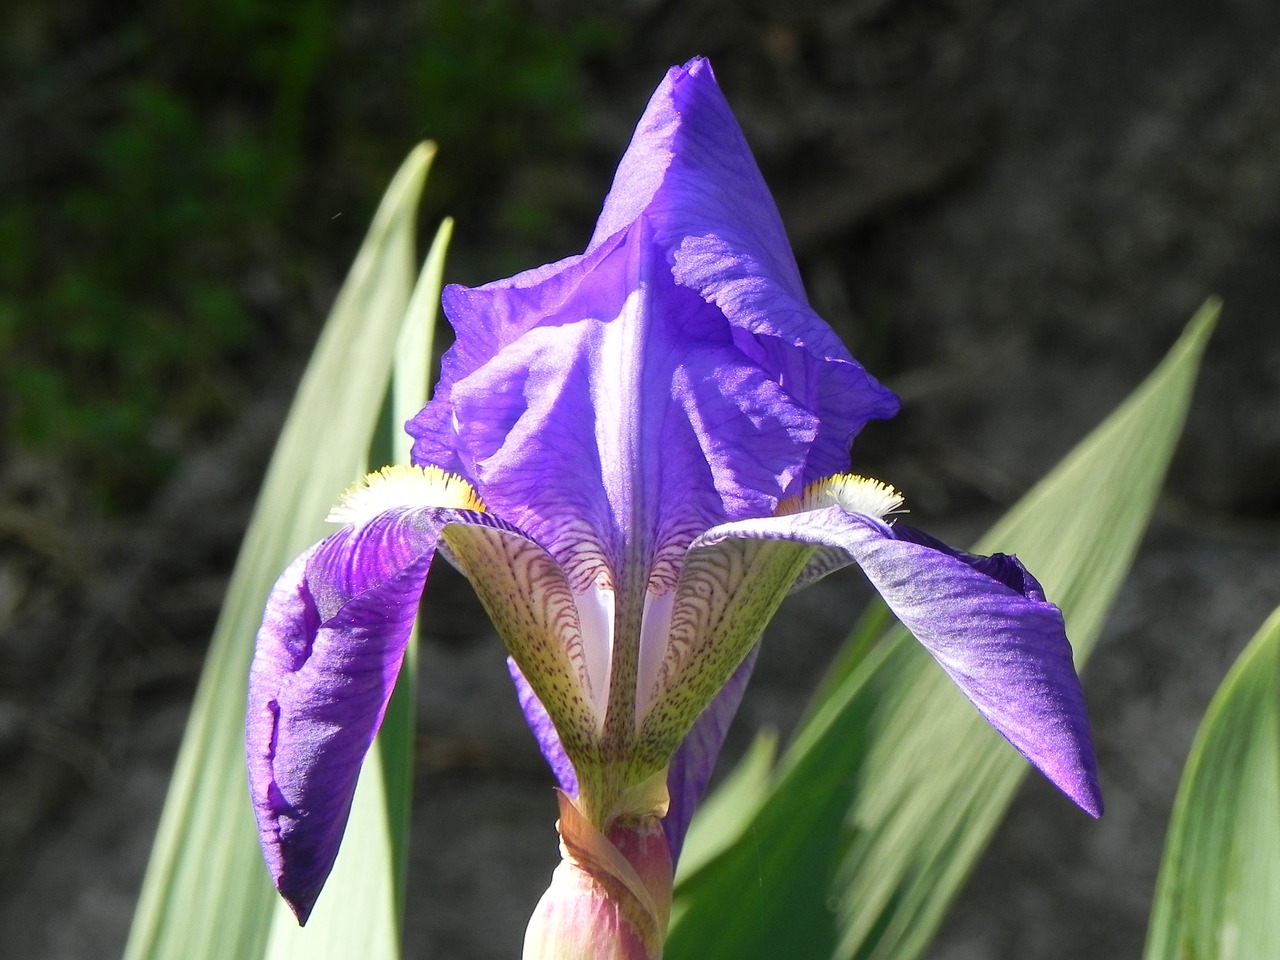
[
  {"x": 728, "y": 591},
  {"x": 984, "y": 619},
  {"x": 327, "y": 656}
]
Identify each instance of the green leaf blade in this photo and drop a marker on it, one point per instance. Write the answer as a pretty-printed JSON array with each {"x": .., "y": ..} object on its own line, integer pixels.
[
  {"x": 1218, "y": 894},
  {"x": 206, "y": 894},
  {"x": 410, "y": 389},
  {"x": 361, "y": 911}
]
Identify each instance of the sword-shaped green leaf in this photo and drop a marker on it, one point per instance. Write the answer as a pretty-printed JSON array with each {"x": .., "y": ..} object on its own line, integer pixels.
[
  {"x": 361, "y": 911},
  {"x": 206, "y": 894},
  {"x": 895, "y": 784},
  {"x": 1218, "y": 896}
]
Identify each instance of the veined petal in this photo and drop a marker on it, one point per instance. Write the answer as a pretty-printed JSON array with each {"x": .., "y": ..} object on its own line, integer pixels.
[
  {"x": 326, "y": 660},
  {"x": 636, "y": 416},
  {"x": 536, "y": 612},
  {"x": 325, "y": 663},
  {"x": 690, "y": 171},
  {"x": 986, "y": 622},
  {"x": 487, "y": 320},
  {"x": 691, "y": 767},
  {"x": 670, "y": 378},
  {"x": 728, "y": 591}
]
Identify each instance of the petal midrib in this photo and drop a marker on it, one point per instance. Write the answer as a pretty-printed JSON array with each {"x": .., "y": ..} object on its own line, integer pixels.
[{"x": 620, "y": 429}]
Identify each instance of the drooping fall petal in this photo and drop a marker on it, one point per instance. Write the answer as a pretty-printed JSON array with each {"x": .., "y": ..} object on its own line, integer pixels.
[
  {"x": 325, "y": 664},
  {"x": 986, "y": 622},
  {"x": 326, "y": 661}
]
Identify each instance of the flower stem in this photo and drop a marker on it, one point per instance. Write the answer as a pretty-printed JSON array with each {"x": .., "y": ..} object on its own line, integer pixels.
[{"x": 610, "y": 896}]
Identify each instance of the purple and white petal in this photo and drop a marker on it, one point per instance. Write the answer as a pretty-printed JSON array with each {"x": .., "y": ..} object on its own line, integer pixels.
[
  {"x": 486, "y": 321},
  {"x": 727, "y": 593},
  {"x": 616, "y": 404},
  {"x": 558, "y": 637},
  {"x": 325, "y": 664},
  {"x": 690, "y": 171}
]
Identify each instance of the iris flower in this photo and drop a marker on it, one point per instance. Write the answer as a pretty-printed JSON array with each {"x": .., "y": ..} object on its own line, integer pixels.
[{"x": 634, "y": 455}]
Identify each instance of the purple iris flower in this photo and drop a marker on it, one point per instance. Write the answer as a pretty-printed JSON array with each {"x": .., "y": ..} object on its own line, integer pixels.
[{"x": 634, "y": 455}]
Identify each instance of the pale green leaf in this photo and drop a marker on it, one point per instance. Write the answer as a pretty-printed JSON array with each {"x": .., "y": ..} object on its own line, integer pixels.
[
  {"x": 206, "y": 895},
  {"x": 361, "y": 911},
  {"x": 410, "y": 388},
  {"x": 411, "y": 383},
  {"x": 1218, "y": 896},
  {"x": 895, "y": 784}
]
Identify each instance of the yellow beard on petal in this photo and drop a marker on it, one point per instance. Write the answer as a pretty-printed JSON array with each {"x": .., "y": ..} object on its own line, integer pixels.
[
  {"x": 850, "y": 492},
  {"x": 403, "y": 486}
]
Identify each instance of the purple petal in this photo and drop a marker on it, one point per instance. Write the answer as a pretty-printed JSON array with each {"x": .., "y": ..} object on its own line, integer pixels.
[
  {"x": 999, "y": 566},
  {"x": 486, "y": 321},
  {"x": 616, "y": 404},
  {"x": 690, "y": 170},
  {"x": 691, "y": 767},
  {"x": 326, "y": 660},
  {"x": 555, "y": 437},
  {"x": 984, "y": 619},
  {"x": 544, "y": 731}
]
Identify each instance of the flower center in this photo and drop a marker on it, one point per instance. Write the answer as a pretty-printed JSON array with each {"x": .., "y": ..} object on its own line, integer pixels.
[{"x": 403, "y": 486}]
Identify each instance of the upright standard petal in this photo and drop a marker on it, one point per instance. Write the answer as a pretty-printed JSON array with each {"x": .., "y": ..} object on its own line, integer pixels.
[
  {"x": 689, "y": 168},
  {"x": 683, "y": 329}
]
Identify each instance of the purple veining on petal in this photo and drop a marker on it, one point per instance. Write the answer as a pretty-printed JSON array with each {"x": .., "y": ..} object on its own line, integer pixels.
[
  {"x": 984, "y": 620},
  {"x": 486, "y": 321},
  {"x": 689, "y": 169},
  {"x": 691, "y": 767}
]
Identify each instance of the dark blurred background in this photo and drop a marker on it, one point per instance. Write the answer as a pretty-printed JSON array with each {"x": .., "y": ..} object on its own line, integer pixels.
[{"x": 1007, "y": 209}]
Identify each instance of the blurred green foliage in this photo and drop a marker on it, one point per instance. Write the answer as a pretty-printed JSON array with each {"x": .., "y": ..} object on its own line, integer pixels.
[{"x": 179, "y": 184}]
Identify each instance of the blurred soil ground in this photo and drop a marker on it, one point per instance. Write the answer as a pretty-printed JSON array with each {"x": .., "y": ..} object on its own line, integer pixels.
[{"x": 1008, "y": 210}]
